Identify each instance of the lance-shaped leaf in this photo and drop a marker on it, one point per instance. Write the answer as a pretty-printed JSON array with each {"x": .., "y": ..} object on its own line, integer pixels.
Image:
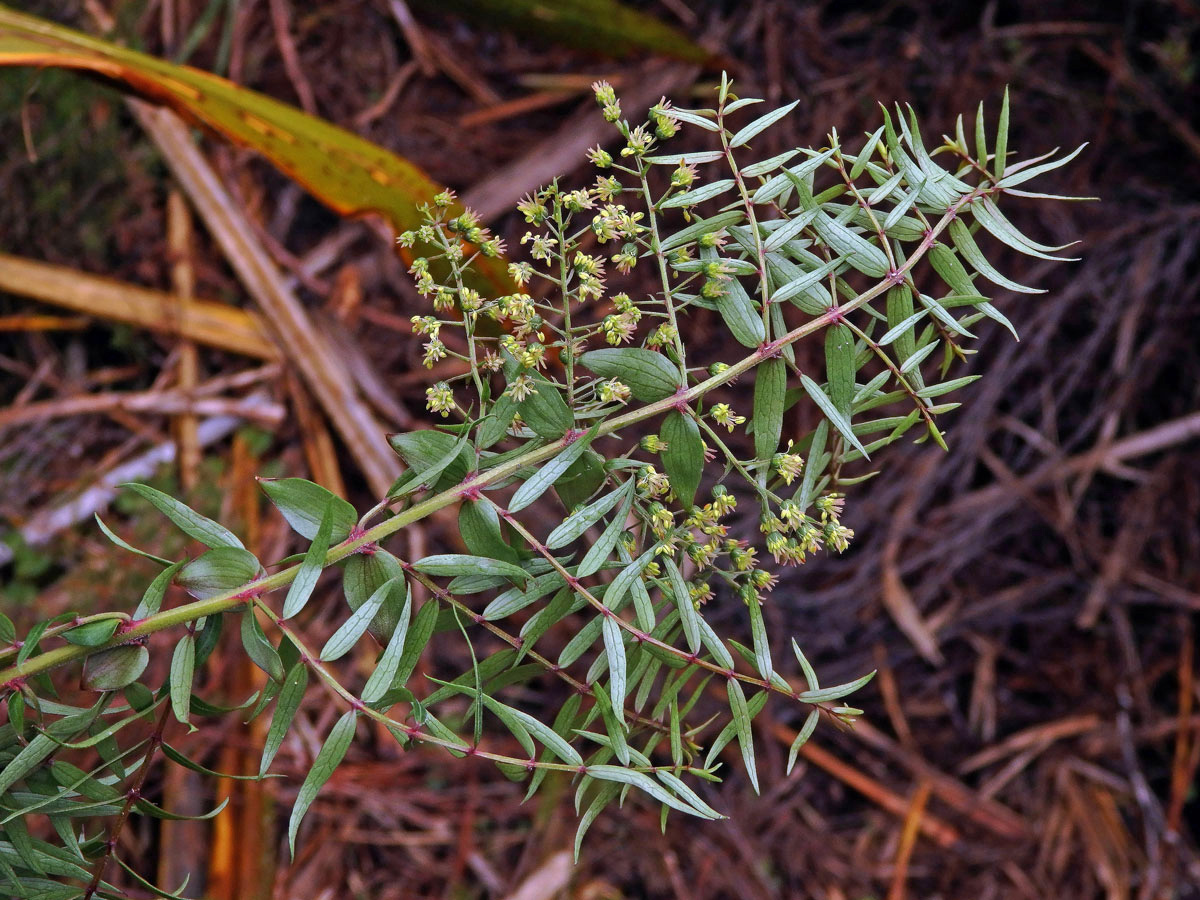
[
  {"x": 806, "y": 731},
  {"x": 688, "y": 617},
  {"x": 699, "y": 195},
  {"x": 415, "y": 479},
  {"x": 183, "y": 661},
  {"x": 303, "y": 503},
  {"x": 479, "y": 526},
  {"x": 839, "y": 367},
  {"x": 770, "y": 390},
  {"x": 190, "y": 522},
  {"x": 332, "y": 752},
  {"x": 351, "y": 175},
  {"x": 614, "y": 650},
  {"x": 424, "y": 450},
  {"x": 311, "y": 566},
  {"x": 599, "y": 552},
  {"x": 363, "y": 576},
  {"x": 822, "y": 695},
  {"x": 541, "y": 481},
  {"x": 355, "y": 626},
  {"x": 683, "y": 460},
  {"x": 649, "y": 375},
  {"x": 761, "y": 124},
  {"x": 965, "y": 244},
  {"x": 585, "y": 517},
  {"x": 649, "y": 786},
  {"x": 741, "y": 724},
  {"x": 463, "y": 564},
  {"x": 290, "y": 695},
  {"x": 260, "y": 650},
  {"x": 741, "y": 316},
  {"x": 831, "y": 412}
]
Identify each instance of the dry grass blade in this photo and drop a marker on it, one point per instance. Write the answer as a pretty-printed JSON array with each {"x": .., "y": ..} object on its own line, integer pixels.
[
  {"x": 203, "y": 321},
  {"x": 350, "y": 174},
  {"x": 312, "y": 355}
]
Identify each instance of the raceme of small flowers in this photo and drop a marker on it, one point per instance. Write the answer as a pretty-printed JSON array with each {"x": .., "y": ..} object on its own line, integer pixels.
[{"x": 577, "y": 394}]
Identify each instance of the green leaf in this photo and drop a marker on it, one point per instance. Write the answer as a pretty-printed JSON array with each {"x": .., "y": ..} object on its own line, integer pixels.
[
  {"x": 388, "y": 664},
  {"x": 614, "y": 650},
  {"x": 700, "y": 228},
  {"x": 1018, "y": 175},
  {"x": 294, "y": 685},
  {"x": 741, "y": 724},
  {"x": 599, "y": 552},
  {"x": 810, "y": 674},
  {"x": 936, "y": 390},
  {"x": 584, "y": 518},
  {"x": 495, "y": 426},
  {"x": 116, "y": 539},
  {"x": 545, "y": 735},
  {"x": 741, "y": 316},
  {"x": 348, "y": 633},
  {"x": 806, "y": 731},
  {"x": 93, "y": 634},
  {"x": 839, "y": 367},
  {"x": 683, "y": 460},
  {"x": 153, "y": 597},
  {"x": 614, "y": 595},
  {"x": 516, "y": 599},
  {"x": 445, "y": 564},
  {"x": 688, "y": 617},
  {"x": 113, "y": 669},
  {"x": 822, "y": 695},
  {"x": 965, "y": 243},
  {"x": 713, "y": 642},
  {"x": 831, "y": 413},
  {"x": 425, "y": 450},
  {"x": 581, "y": 480},
  {"x": 331, "y": 754},
  {"x": 428, "y": 478},
  {"x": 859, "y": 252},
  {"x": 804, "y": 283},
  {"x": 602, "y": 798},
  {"x": 311, "y": 566},
  {"x": 698, "y": 157},
  {"x": 479, "y": 526},
  {"x": 767, "y": 165},
  {"x": 546, "y": 412},
  {"x": 183, "y": 661},
  {"x": 699, "y": 195},
  {"x": 303, "y": 505},
  {"x": 364, "y": 574},
  {"x": 787, "y": 231},
  {"x": 647, "y": 785},
  {"x": 541, "y": 481},
  {"x": 190, "y": 522},
  {"x": 749, "y": 132},
  {"x": 770, "y": 389},
  {"x": 218, "y": 572},
  {"x": 993, "y": 221},
  {"x": 649, "y": 375},
  {"x": 260, "y": 651},
  {"x": 762, "y": 647}
]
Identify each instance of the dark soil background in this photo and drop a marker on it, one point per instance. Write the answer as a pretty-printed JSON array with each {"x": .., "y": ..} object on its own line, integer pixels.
[{"x": 1029, "y": 599}]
